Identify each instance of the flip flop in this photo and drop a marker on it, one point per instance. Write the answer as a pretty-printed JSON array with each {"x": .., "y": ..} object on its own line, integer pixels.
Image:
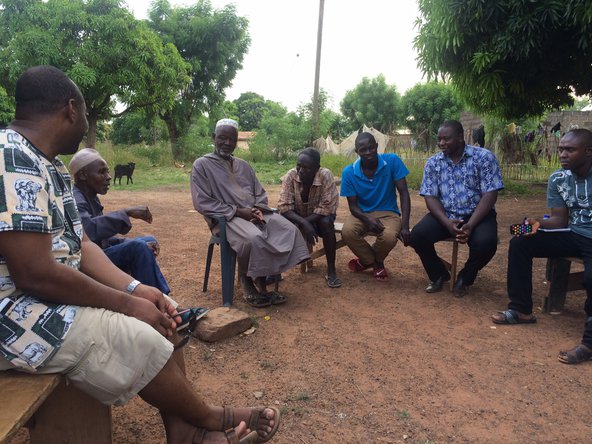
[
  {"x": 333, "y": 282},
  {"x": 511, "y": 317},
  {"x": 380, "y": 274},
  {"x": 355, "y": 265},
  {"x": 276, "y": 298},
  {"x": 257, "y": 300}
]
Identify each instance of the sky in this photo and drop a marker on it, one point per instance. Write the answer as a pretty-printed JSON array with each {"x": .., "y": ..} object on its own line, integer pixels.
[{"x": 360, "y": 39}]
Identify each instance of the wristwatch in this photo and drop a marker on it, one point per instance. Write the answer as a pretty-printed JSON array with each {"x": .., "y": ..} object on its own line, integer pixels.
[{"x": 132, "y": 286}]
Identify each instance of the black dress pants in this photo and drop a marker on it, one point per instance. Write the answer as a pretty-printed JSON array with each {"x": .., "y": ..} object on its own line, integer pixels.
[
  {"x": 547, "y": 244},
  {"x": 482, "y": 246}
]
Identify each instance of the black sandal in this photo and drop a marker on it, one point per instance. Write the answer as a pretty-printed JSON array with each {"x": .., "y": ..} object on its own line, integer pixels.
[{"x": 257, "y": 300}]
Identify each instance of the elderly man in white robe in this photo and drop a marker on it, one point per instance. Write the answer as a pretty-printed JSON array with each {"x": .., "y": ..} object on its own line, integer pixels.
[{"x": 266, "y": 243}]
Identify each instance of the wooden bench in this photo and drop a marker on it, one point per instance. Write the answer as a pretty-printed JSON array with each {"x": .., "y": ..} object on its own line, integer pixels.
[
  {"x": 304, "y": 267},
  {"x": 561, "y": 280},
  {"x": 52, "y": 411}
]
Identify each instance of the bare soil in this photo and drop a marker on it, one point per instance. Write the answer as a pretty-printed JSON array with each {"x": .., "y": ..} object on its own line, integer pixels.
[{"x": 375, "y": 362}]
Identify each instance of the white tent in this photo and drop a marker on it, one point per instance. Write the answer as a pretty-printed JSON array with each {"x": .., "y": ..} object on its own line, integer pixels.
[
  {"x": 325, "y": 145},
  {"x": 347, "y": 146}
]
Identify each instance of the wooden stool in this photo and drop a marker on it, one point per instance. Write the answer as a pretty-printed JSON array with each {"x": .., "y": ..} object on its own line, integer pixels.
[{"x": 452, "y": 266}]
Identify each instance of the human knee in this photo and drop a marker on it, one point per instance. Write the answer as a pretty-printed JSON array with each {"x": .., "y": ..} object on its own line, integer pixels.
[
  {"x": 326, "y": 226},
  {"x": 349, "y": 232},
  {"x": 139, "y": 247}
]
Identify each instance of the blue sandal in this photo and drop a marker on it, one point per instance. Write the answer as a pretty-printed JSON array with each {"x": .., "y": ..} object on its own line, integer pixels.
[{"x": 511, "y": 317}]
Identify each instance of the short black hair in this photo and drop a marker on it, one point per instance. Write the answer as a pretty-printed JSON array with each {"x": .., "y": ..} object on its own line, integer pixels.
[
  {"x": 43, "y": 90},
  {"x": 364, "y": 136},
  {"x": 455, "y": 125},
  {"x": 313, "y": 154},
  {"x": 582, "y": 134}
]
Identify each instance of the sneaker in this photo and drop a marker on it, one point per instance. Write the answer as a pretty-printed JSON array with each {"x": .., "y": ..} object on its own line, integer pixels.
[{"x": 190, "y": 315}]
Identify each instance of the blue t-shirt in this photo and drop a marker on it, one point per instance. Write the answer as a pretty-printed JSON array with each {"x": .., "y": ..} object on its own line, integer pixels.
[
  {"x": 565, "y": 190},
  {"x": 378, "y": 193}
]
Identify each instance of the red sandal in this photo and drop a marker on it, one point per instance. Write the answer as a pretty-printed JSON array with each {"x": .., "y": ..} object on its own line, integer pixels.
[
  {"x": 355, "y": 265},
  {"x": 380, "y": 274}
]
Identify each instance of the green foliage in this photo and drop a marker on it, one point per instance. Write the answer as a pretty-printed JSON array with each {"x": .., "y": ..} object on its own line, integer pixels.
[
  {"x": 197, "y": 141},
  {"x": 426, "y": 106},
  {"x": 99, "y": 44},
  {"x": 279, "y": 136},
  {"x": 335, "y": 162},
  {"x": 251, "y": 108},
  {"x": 580, "y": 103},
  {"x": 511, "y": 58},
  {"x": 373, "y": 102},
  {"x": 6, "y": 108},
  {"x": 138, "y": 127},
  {"x": 226, "y": 110},
  {"x": 213, "y": 42}
]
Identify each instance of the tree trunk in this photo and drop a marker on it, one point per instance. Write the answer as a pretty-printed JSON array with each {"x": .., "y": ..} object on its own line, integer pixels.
[
  {"x": 91, "y": 137},
  {"x": 173, "y": 136}
]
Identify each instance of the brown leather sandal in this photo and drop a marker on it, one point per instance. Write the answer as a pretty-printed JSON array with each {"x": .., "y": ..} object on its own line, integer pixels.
[
  {"x": 231, "y": 437},
  {"x": 253, "y": 422}
]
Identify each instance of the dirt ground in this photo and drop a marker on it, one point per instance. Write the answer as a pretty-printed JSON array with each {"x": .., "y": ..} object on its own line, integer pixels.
[{"x": 375, "y": 362}]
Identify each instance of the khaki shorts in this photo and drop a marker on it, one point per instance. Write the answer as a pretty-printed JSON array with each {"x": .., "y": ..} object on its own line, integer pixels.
[{"x": 108, "y": 355}]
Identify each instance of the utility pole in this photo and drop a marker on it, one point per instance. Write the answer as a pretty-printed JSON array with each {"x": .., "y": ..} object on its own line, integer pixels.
[{"x": 315, "y": 97}]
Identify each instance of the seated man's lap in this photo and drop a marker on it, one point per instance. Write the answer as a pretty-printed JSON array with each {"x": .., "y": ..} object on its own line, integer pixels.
[
  {"x": 390, "y": 220},
  {"x": 108, "y": 355}
]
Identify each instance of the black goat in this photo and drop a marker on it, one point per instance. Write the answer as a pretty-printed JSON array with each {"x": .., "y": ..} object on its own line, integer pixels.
[{"x": 124, "y": 170}]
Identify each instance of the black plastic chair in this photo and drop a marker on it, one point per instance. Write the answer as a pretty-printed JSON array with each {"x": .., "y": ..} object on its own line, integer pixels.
[{"x": 227, "y": 262}]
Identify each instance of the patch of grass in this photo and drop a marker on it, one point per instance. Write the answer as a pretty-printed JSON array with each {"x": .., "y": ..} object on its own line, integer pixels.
[
  {"x": 299, "y": 411},
  {"x": 208, "y": 355},
  {"x": 243, "y": 375},
  {"x": 403, "y": 414},
  {"x": 304, "y": 396},
  {"x": 284, "y": 410},
  {"x": 266, "y": 365},
  {"x": 254, "y": 321}
]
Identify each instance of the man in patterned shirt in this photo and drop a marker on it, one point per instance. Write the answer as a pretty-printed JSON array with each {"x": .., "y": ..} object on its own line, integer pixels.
[
  {"x": 460, "y": 186},
  {"x": 309, "y": 199},
  {"x": 569, "y": 195},
  {"x": 64, "y": 307}
]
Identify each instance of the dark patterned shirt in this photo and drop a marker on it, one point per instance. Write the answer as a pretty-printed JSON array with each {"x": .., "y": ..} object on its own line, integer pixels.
[
  {"x": 566, "y": 190},
  {"x": 460, "y": 186},
  {"x": 35, "y": 196},
  {"x": 323, "y": 197}
]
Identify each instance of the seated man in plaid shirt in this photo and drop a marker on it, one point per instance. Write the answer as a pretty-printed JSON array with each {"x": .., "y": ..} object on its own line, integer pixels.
[{"x": 309, "y": 199}]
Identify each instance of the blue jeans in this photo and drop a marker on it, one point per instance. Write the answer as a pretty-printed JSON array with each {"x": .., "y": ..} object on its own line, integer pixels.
[{"x": 134, "y": 256}]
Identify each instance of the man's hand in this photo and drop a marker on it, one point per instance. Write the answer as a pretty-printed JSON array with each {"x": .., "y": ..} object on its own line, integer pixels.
[
  {"x": 534, "y": 223},
  {"x": 452, "y": 225},
  {"x": 155, "y": 246},
  {"x": 309, "y": 233},
  {"x": 146, "y": 311},
  {"x": 257, "y": 216},
  {"x": 155, "y": 296},
  {"x": 373, "y": 225},
  {"x": 404, "y": 235},
  {"x": 139, "y": 212},
  {"x": 463, "y": 236}
]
